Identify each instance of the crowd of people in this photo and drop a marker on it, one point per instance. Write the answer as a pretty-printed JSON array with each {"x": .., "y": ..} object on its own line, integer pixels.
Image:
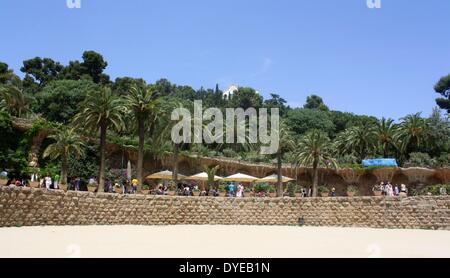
[
  {"x": 232, "y": 189},
  {"x": 391, "y": 190}
]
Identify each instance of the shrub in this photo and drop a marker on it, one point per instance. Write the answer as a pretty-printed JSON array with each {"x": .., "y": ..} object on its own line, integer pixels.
[
  {"x": 323, "y": 189},
  {"x": 435, "y": 189},
  {"x": 230, "y": 153},
  {"x": 349, "y": 161},
  {"x": 352, "y": 189},
  {"x": 444, "y": 160},
  {"x": 420, "y": 160},
  {"x": 261, "y": 187},
  {"x": 292, "y": 189}
]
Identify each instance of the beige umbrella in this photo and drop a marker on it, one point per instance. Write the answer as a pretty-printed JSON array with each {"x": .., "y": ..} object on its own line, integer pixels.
[
  {"x": 241, "y": 178},
  {"x": 202, "y": 177},
  {"x": 273, "y": 179},
  {"x": 164, "y": 175}
]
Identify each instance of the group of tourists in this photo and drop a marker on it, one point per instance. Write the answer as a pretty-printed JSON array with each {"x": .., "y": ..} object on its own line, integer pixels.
[
  {"x": 235, "y": 191},
  {"x": 391, "y": 190},
  {"x": 47, "y": 182},
  {"x": 17, "y": 182}
]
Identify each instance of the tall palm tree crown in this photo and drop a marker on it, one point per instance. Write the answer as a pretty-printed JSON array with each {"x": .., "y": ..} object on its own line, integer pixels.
[
  {"x": 142, "y": 102},
  {"x": 386, "y": 130},
  {"x": 67, "y": 143},
  {"x": 360, "y": 140},
  {"x": 101, "y": 110},
  {"x": 314, "y": 149},
  {"x": 13, "y": 100},
  {"x": 411, "y": 131}
]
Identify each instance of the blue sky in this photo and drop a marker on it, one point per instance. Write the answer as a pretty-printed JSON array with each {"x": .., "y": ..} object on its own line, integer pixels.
[{"x": 381, "y": 62}]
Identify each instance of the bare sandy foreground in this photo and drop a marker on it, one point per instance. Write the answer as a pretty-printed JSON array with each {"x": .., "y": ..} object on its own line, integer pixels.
[{"x": 220, "y": 242}]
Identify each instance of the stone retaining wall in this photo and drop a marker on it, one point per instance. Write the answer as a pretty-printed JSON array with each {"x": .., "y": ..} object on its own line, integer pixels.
[{"x": 35, "y": 207}]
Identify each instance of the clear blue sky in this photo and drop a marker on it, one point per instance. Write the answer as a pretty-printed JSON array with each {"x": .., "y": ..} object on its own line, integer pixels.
[{"x": 381, "y": 62}]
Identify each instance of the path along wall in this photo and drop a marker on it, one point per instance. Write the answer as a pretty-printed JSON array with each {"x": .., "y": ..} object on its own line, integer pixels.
[{"x": 35, "y": 207}]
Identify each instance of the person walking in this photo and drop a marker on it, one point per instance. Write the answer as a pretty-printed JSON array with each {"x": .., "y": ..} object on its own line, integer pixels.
[
  {"x": 56, "y": 182},
  {"x": 232, "y": 189},
  {"x": 48, "y": 182},
  {"x": 134, "y": 184},
  {"x": 389, "y": 190},
  {"x": 240, "y": 191},
  {"x": 396, "y": 190}
]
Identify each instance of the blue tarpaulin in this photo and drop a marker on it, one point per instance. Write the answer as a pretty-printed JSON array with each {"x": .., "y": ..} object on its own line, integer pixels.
[{"x": 382, "y": 162}]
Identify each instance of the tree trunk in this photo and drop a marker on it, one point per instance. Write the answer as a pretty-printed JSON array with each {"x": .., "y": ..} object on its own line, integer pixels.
[
  {"x": 176, "y": 149},
  {"x": 280, "y": 176},
  {"x": 64, "y": 167},
  {"x": 101, "y": 175},
  {"x": 315, "y": 179},
  {"x": 140, "y": 162}
]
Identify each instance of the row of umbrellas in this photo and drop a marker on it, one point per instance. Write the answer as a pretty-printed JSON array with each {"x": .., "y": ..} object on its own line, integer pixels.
[{"x": 168, "y": 175}]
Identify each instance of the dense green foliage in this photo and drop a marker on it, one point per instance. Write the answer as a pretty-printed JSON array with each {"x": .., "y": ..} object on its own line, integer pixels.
[
  {"x": 443, "y": 88},
  {"x": 57, "y": 93},
  {"x": 60, "y": 100}
]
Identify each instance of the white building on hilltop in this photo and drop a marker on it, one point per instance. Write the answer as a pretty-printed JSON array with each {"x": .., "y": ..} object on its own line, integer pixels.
[
  {"x": 228, "y": 93},
  {"x": 231, "y": 90}
]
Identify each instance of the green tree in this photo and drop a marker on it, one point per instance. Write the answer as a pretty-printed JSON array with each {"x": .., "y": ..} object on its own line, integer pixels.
[
  {"x": 67, "y": 142},
  {"x": 85, "y": 166},
  {"x": 59, "y": 101},
  {"x": 360, "y": 140},
  {"x": 123, "y": 85},
  {"x": 276, "y": 101},
  {"x": 315, "y": 102},
  {"x": 6, "y": 74},
  {"x": 412, "y": 130},
  {"x": 303, "y": 120},
  {"x": 343, "y": 120},
  {"x": 438, "y": 133},
  {"x": 287, "y": 143},
  {"x": 142, "y": 102},
  {"x": 10, "y": 157},
  {"x": 314, "y": 150},
  {"x": 211, "y": 172},
  {"x": 443, "y": 88},
  {"x": 41, "y": 71},
  {"x": 75, "y": 71},
  {"x": 245, "y": 98},
  {"x": 94, "y": 65},
  {"x": 13, "y": 100},
  {"x": 101, "y": 110},
  {"x": 386, "y": 130}
]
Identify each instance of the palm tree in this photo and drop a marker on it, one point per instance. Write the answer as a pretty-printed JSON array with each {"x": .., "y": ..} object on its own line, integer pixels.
[
  {"x": 411, "y": 131},
  {"x": 13, "y": 100},
  {"x": 386, "y": 135},
  {"x": 142, "y": 101},
  {"x": 314, "y": 149},
  {"x": 3, "y": 105},
  {"x": 162, "y": 144},
  {"x": 211, "y": 171},
  {"x": 67, "y": 143},
  {"x": 287, "y": 143},
  {"x": 360, "y": 140},
  {"x": 101, "y": 110}
]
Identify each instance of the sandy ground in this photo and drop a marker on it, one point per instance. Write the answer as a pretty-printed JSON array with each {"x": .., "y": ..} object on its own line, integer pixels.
[{"x": 220, "y": 242}]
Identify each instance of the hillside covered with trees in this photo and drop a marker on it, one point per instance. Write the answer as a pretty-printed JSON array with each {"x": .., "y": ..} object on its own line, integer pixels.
[{"x": 81, "y": 100}]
